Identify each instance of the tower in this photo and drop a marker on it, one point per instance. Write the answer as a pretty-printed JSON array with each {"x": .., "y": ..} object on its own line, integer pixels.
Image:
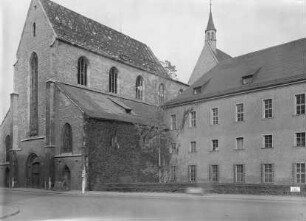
[{"x": 210, "y": 32}]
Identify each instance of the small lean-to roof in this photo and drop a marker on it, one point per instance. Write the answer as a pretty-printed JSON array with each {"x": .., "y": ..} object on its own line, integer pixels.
[
  {"x": 273, "y": 66},
  {"x": 106, "y": 106},
  {"x": 86, "y": 33}
]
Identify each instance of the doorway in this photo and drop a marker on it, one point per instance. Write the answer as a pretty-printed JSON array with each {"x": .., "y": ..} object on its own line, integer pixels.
[
  {"x": 66, "y": 178},
  {"x": 33, "y": 171}
]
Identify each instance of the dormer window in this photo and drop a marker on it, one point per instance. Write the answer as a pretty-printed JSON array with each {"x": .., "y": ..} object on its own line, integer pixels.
[
  {"x": 197, "y": 90},
  {"x": 247, "y": 79}
]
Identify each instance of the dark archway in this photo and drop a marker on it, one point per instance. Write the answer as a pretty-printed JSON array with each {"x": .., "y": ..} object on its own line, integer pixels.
[
  {"x": 33, "y": 171},
  {"x": 7, "y": 177},
  {"x": 66, "y": 178}
]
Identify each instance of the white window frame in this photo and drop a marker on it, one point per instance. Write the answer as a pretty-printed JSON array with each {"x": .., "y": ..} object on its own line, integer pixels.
[
  {"x": 301, "y": 174},
  {"x": 237, "y": 146},
  {"x": 192, "y": 173},
  {"x": 214, "y": 173},
  {"x": 239, "y": 113},
  {"x": 214, "y": 116},
  {"x": 239, "y": 177},
  {"x": 193, "y": 120},
  {"x": 296, "y": 104},
  {"x": 213, "y": 147},
  {"x": 193, "y": 147},
  {"x": 264, "y": 141},
  {"x": 268, "y": 176},
  {"x": 303, "y": 141},
  {"x": 264, "y": 108}
]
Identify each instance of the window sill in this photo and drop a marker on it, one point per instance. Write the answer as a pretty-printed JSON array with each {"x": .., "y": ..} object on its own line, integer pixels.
[
  {"x": 239, "y": 122},
  {"x": 33, "y": 138},
  {"x": 267, "y": 148},
  {"x": 239, "y": 149},
  {"x": 63, "y": 155},
  {"x": 267, "y": 118},
  {"x": 299, "y": 146},
  {"x": 192, "y": 152},
  {"x": 214, "y": 151},
  {"x": 298, "y": 115}
]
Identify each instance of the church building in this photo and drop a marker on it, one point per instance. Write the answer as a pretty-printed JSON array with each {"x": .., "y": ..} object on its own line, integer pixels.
[{"x": 79, "y": 89}]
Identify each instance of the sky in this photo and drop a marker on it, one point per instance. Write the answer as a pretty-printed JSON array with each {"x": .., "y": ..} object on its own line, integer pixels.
[{"x": 173, "y": 29}]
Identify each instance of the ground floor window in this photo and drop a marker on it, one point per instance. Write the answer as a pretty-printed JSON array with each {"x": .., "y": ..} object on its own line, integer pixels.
[
  {"x": 300, "y": 173},
  {"x": 239, "y": 173},
  {"x": 192, "y": 173},
  {"x": 173, "y": 173},
  {"x": 267, "y": 173},
  {"x": 214, "y": 173}
]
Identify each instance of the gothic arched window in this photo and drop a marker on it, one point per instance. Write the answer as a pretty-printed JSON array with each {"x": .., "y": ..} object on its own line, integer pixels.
[
  {"x": 139, "y": 88},
  {"x": 113, "y": 76},
  {"x": 161, "y": 94},
  {"x": 33, "y": 95},
  {"x": 82, "y": 71},
  {"x": 8, "y": 147},
  {"x": 66, "y": 139}
]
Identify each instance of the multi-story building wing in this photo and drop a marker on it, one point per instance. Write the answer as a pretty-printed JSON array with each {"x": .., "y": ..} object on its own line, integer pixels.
[{"x": 251, "y": 121}]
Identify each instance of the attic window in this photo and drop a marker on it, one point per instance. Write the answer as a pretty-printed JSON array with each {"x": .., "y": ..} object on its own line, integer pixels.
[
  {"x": 197, "y": 90},
  {"x": 247, "y": 79}
]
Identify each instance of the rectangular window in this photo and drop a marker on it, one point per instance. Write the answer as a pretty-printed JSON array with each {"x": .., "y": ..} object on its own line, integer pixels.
[
  {"x": 215, "y": 116},
  {"x": 300, "y": 104},
  {"x": 214, "y": 173},
  {"x": 300, "y": 173},
  {"x": 239, "y": 173},
  {"x": 239, "y": 112},
  {"x": 267, "y": 173},
  {"x": 239, "y": 143},
  {"x": 193, "y": 147},
  {"x": 173, "y": 149},
  {"x": 173, "y": 173},
  {"x": 267, "y": 108},
  {"x": 300, "y": 139},
  {"x": 192, "y": 119},
  {"x": 173, "y": 122},
  {"x": 215, "y": 145},
  {"x": 268, "y": 141},
  {"x": 192, "y": 173}
]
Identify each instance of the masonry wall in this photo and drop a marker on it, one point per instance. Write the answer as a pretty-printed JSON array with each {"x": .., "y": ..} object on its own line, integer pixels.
[
  {"x": 120, "y": 162},
  {"x": 282, "y": 126},
  {"x": 66, "y": 61},
  {"x": 5, "y": 130},
  {"x": 40, "y": 44},
  {"x": 67, "y": 112}
]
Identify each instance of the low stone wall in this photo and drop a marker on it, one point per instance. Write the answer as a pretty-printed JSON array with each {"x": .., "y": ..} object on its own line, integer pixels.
[{"x": 256, "y": 189}]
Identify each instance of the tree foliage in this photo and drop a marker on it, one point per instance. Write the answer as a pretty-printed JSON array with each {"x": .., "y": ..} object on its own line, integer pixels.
[{"x": 170, "y": 68}]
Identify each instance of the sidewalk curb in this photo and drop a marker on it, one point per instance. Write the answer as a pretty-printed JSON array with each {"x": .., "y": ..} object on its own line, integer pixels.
[{"x": 157, "y": 195}]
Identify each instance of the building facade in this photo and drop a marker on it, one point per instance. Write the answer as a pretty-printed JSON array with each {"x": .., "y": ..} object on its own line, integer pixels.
[{"x": 242, "y": 121}]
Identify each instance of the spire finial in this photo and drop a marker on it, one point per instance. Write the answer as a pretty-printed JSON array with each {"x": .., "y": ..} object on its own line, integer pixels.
[{"x": 210, "y": 5}]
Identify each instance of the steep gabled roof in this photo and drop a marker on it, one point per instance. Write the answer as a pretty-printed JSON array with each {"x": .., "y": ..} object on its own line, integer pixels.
[
  {"x": 76, "y": 29},
  {"x": 221, "y": 55},
  {"x": 273, "y": 66},
  {"x": 106, "y": 106}
]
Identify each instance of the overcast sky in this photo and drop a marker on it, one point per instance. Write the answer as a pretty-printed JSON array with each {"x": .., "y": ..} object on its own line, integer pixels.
[{"x": 173, "y": 29}]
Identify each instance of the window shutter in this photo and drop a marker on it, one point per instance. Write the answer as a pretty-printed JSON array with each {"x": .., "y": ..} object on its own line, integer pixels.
[
  {"x": 209, "y": 173},
  {"x": 273, "y": 173},
  {"x": 234, "y": 174},
  {"x": 293, "y": 173},
  {"x": 262, "y": 172},
  {"x": 243, "y": 172}
]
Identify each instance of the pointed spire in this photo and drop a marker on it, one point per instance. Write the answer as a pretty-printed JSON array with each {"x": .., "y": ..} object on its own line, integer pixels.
[{"x": 210, "y": 24}]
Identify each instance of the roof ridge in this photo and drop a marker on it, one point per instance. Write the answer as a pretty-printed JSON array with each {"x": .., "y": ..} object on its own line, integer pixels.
[
  {"x": 268, "y": 48},
  {"x": 94, "y": 21},
  {"x": 105, "y": 93}
]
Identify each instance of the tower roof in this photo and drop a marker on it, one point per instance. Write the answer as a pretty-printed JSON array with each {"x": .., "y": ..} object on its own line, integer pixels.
[{"x": 210, "y": 24}]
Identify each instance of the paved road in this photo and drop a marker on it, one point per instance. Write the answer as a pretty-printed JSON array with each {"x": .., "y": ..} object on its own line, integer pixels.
[{"x": 52, "y": 206}]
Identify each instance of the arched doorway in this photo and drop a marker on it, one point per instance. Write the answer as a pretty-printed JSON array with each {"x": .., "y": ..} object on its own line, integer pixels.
[
  {"x": 33, "y": 171},
  {"x": 7, "y": 177},
  {"x": 66, "y": 178}
]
